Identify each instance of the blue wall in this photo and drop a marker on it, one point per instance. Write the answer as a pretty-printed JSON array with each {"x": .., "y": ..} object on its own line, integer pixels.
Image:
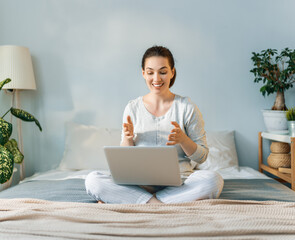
[{"x": 86, "y": 56}]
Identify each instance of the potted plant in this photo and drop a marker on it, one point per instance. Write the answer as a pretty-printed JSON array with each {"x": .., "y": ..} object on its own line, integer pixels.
[
  {"x": 276, "y": 71},
  {"x": 9, "y": 152},
  {"x": 290, "y": 115}
]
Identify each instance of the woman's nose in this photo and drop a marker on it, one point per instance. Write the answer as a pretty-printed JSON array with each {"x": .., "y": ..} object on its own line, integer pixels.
[{"x": 156, "y": 77}]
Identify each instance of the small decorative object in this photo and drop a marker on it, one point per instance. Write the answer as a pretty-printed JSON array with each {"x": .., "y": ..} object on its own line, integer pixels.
[
  {"x": 280, "y": 147},
  {"x": 9, "y": 152},
  {"x": 279, "y": 156},
  {"x": 290, "y": 115},
  {"x": 276, "y": 71}
]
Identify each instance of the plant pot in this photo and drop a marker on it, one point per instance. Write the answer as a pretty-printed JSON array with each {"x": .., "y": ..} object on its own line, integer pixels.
[
  {"x": 291, "y": 128},
  {"x": 275, "y": 121},
  {"x": 5, "y": 185}
]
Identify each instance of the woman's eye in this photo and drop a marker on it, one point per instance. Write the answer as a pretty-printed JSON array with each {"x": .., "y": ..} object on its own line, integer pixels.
[
  {"x": 150, "y": 73},
  {"x": 163, "y": 73}
]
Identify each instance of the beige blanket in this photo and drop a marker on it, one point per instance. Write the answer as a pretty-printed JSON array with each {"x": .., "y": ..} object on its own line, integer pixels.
[{"x": 206, "y": 219}]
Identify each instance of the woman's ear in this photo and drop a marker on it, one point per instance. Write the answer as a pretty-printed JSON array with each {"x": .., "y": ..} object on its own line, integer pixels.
[
  {"x": 173, "y": 72},
  {"x": 143, "y": 72}
]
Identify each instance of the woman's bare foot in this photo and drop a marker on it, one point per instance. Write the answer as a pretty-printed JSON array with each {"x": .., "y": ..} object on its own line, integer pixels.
[
  {"x": 100, "y": 202},
  {"x": 154, "y": 200}
]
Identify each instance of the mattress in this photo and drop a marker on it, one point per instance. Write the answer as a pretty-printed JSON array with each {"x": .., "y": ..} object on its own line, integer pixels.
[{"x": 68, "y": 186}]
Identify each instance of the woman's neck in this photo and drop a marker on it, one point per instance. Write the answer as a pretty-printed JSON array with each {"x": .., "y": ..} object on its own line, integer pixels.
[
  {"x": 158, "y": 99},
  {"x": 158, "y": 105}
]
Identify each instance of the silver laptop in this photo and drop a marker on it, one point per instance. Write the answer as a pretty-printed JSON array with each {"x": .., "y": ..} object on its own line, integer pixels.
[{"x": 144, "y": 165}]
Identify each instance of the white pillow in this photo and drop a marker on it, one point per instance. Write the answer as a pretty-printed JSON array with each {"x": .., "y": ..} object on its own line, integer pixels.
[
  {"x": 84, "y": 146},
  {"x": 222, "y": 151}
]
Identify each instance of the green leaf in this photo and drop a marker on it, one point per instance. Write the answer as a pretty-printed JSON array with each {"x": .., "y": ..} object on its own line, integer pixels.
[
  {"x": 262, "y": 90},
  {"x": 25, "y": 116},
  {"x": 5, "y": 131},
  {"x": 290, "y": 114},
  {"x": 6, "y": 164},
  {"x": 2, "y": 83},
  {"x": 11, "y": 145}
]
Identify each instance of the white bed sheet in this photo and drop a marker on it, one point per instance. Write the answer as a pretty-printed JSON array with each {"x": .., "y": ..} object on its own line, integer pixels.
[
  {"x": 241, "y": 173},
  {"x": 226, "y": 173}
]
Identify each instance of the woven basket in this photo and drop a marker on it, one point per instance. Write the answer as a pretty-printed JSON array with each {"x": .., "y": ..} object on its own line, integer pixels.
[
  {"x": 277, "y": 160},
  {"x": 279, "y": 147}
]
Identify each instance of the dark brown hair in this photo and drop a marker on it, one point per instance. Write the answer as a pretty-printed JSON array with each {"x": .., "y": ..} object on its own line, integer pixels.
[{"x": 159, "y": 51}]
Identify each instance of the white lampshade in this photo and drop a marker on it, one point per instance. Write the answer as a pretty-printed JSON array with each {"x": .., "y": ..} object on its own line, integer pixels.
[{"x": 16, "y": 64}]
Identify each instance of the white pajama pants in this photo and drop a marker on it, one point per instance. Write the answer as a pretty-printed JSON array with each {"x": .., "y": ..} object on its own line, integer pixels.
[{"x": 202, "y": 184}]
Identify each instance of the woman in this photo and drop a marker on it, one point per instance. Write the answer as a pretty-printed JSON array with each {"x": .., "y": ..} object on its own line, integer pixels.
[{"x": 161, "y": 118}]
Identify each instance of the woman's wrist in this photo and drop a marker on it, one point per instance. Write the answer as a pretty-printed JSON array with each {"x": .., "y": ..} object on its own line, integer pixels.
[
  {"x": 188, "y": 146},
  {"x": 185, "y": 141},
  {"x": 127, "y": 142}
]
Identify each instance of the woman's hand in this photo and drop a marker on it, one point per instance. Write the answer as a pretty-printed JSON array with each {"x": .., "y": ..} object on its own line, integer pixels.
[
  {"x": 177, "y": 135},
  {"x": 128, "y": 129}
]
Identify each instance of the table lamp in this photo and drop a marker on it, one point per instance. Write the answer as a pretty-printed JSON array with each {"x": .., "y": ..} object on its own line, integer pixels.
[{"x": 16, "y": 64}]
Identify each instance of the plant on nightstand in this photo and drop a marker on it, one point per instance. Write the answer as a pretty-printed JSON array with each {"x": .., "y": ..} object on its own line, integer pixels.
[
  {"x": 290, "y": 115},
  {"x": 9, "y": 152},
  {"x": 276, "y": 71}
]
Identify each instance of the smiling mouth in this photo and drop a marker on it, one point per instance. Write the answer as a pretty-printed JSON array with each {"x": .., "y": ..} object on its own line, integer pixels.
[{"x": 157, "y": 85}]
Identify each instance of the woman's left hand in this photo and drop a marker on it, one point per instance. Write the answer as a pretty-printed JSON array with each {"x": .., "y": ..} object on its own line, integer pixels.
[{"x": 177, "y": 135}]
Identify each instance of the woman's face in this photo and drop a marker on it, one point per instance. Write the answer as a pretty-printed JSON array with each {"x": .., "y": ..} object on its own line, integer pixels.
[{"x": 157, "y": 74}]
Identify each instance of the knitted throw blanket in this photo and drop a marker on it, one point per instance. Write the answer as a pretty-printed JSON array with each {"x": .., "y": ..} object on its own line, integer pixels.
[{"x": 217, "y": 219}]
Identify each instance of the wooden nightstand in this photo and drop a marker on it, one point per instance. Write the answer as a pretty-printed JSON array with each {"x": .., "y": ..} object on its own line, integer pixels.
[{"x": 288, "y": 177}]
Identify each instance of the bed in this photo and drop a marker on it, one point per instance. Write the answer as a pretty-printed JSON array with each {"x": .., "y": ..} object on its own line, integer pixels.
[{"x": 54, "y": 204}]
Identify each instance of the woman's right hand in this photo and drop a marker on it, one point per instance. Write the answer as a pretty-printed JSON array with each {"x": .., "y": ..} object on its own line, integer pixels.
[{"x": 128, "y": 129}]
